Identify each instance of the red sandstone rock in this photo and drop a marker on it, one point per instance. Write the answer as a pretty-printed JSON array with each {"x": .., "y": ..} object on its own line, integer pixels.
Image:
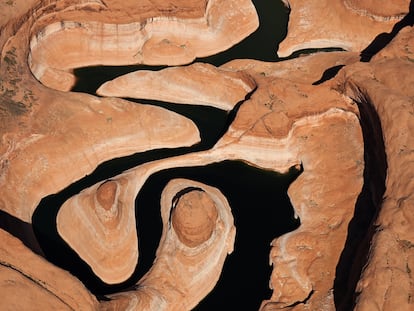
[
  {"x": 294, "y": 118},
  {"x": 386, "y": 279},
  {"x": 152, "y": 40},
  {"x": 192, "y": 84},
  {"x": 99, "y": 224},
  {"x": 29, "y": 282},
  {"x": 345, "y": 24},
  {"x": 194, "y": 218},
  {"x": 183, "y": 273}
]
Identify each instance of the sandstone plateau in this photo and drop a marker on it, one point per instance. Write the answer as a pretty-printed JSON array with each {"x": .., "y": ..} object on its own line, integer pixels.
[{"x": 343, "y": 119}]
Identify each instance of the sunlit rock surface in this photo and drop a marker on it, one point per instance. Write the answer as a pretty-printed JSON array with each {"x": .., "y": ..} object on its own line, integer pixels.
[
  {"x": 344, "y": 118},
  {"x": 386, "y": 280},
  {"x": 347, "y": 24},
  {"x": 151, "y": 39},
  {"x": 187, "y": 85},
  {"x": 29, "y": 282},
  {"x": 185, "y": 270},
  {"x": 99, "y": 224}
]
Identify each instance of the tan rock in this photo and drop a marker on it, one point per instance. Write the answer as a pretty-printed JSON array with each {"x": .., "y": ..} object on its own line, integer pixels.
[
  {"x": 29, "y": 282},
  {"x": 386, "y": 279},
  {"x": 99, "y": 224},
  {"x": 294, "y": 118},
  {"x": 307, "y": 30},
  {"x": 194, "y": 218},
  {"x": 84, "y": 131},
  {"x": 183, "y": 273},
  {"x": 314, "y": 137},
  {"x": 154, "y": 40},
  {"x": 305, "y": 70},
  {"x": 387, "y": 10},
  {"x": 45, "y": 132},
  {"x": 187, "y": 85}
]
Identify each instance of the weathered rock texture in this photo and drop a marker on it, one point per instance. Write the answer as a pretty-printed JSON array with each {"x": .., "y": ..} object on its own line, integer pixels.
[
  {"x": 99, "y": 224},
  {"x": 387, "y": 281},
  {"x": 153, "y": 40},
  {"x": 350, "y": 25},
  {"x": 29, "y": 282},
  {"x": 185, "y": 270},
  {"x": 187, "y": 85},
  {"x": 345, "y": 118}
]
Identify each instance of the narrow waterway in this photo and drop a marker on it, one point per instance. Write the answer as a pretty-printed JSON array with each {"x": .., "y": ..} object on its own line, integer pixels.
[
  {"x": 258, "y": 199},
  {"x": 261, "y": 211}
]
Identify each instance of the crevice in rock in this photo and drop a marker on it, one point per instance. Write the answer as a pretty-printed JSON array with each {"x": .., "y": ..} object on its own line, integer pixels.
[
  {"x": 361, "y": 228},
  {"x": 39, "y": 283},
  {"x": 384, "y": 38},
  {"x": 328, "y": 74},
  {"x": 304, "y": 301},
  {"x": 305, "y": 52},
  {"x": 21, "y": 230}
]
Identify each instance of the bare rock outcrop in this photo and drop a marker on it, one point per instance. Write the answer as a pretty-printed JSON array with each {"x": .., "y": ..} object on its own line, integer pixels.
[
  {"x": 152, "y": 40},
  {"x": 286, "y": 124},
  {"x": 345, "y": 119},
  {"x": 386, "y": 280},
  {"x": 198, "y": 233},
  {"x": 389, "y": 10},
  {"x": 99, "y": 224},
  {"x": 350, "y": 25},
  {"x": 29, "y": 282},
  {"x": 187, "y": 85}
]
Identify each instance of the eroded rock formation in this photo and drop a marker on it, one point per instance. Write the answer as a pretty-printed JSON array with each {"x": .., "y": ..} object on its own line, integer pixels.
[
  {"x": 345, "y": 118},
  {"x": 307, "y": 30},
  {"x": 154, "y": 40},
  {"x": 187, "y": 85},
  {"x": 187, "y": 266},
  {"x": 102, "y": 215}
]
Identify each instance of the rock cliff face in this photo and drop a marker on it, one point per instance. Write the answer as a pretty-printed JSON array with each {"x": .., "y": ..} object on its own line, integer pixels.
[{"x": 344, "y": 118}]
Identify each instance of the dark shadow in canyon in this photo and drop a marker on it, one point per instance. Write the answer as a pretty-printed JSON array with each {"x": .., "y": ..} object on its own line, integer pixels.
[
  {"x": 382, "y": 40},
  {"x": 261, "y": 209},
  {"x": 361, "y": 228},
  {"x": 211, "y": 122},
  {"x": 89, "y": 79},
  {"x": 260, "y": 206},
  {"x": 263, "y": 43},
  {"x": 21, "y": 230},
  {"x": 328, "y": 74}
]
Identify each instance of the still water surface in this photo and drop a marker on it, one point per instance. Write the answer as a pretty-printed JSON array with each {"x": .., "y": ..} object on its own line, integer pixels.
[{"x": 260, "y": 205}]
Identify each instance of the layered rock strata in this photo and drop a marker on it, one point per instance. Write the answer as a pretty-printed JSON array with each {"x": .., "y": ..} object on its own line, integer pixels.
[
  {"x": 29, "y": 282},
  {"x": 275, "y": 130},
  {"x": 102, "y": 216},
  {"x": 198, "y": 233},
  {"x": 155, "y": 40},
  {"x": 186, "y": 85},
  {"x": 307, "y": 30},
  {"x": 303, "y": 113}
]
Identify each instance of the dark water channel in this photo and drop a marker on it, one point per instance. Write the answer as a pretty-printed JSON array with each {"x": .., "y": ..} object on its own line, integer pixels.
[
  {"x": 261, "y": 211},
  {"x": 260, "y": 205}
]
